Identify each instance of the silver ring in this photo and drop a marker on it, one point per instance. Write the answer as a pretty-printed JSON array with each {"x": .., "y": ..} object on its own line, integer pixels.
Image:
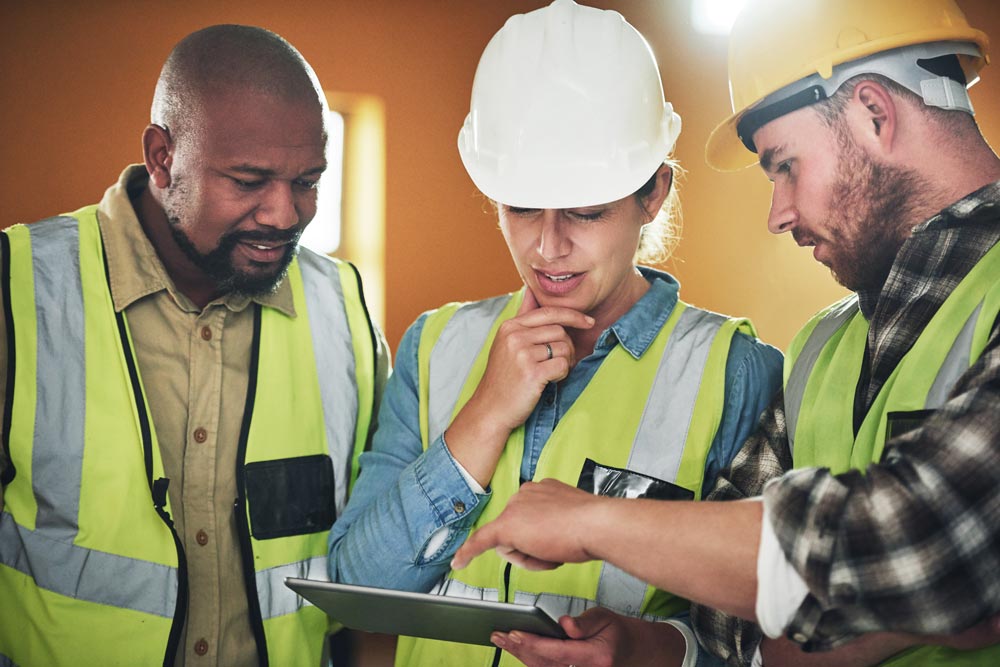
[{"x": 548, "y": 348}]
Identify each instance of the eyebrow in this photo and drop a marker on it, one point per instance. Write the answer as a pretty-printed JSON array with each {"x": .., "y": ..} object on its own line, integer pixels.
[{"x": 266, "y": 173}]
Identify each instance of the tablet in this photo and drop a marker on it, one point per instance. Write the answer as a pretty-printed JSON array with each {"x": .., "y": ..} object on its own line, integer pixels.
[{"x": 423, "y": 614}]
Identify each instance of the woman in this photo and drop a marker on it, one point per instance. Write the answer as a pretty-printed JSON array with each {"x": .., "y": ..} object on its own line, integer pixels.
[{"x": 593, "y": 372}]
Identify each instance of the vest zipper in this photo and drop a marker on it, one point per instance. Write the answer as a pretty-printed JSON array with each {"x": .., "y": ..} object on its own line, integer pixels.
[
  {"x": 158, "y": 493},
  {"x": 240, "y": 504},
  {"x": 498, "y": 653},
  {"x": 9, "y": 472}
]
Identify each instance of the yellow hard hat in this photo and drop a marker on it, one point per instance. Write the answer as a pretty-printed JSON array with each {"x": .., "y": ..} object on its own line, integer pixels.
[{"x": 785, "y": 54}]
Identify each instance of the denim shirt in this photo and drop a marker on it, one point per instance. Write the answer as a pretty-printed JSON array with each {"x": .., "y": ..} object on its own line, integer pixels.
[{"x": 405, "y": 495}]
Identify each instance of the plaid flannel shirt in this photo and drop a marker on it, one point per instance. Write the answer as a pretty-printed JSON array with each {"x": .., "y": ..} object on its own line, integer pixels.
[{"x": 913, "y": 544}]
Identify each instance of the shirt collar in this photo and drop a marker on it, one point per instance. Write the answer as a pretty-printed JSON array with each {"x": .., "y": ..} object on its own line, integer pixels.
[
  {"x": 134, "y": 268},
  {"x": 636, "y": 329}
]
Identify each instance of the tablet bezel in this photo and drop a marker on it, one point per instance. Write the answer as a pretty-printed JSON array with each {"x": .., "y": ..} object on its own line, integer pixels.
[{"x": 413, "y": 614}]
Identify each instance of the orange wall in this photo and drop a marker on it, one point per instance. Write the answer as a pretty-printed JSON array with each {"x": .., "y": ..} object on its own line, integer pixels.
[{"x": 76, "y": 80}]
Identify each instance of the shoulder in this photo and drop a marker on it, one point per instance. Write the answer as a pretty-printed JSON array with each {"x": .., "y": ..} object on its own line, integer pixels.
[
  {"x": 753, "y": 366},
  {"x": 746, "y": 349}
]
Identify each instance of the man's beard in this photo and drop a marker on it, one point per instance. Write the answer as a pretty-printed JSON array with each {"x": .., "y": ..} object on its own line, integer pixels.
[
  {"x": 218, "y": 262},
  {"x": 873, "y": 209}
]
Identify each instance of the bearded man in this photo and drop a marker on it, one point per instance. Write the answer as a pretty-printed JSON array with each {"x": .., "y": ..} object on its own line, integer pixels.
[{"x": 186, "y": 390}]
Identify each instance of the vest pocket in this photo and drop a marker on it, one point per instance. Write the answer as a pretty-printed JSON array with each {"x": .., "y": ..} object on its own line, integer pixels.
[
  {"x": 292, "y": 496},
  {"x": 900, "y": 423},
  {"x": 605, "y": 480}
]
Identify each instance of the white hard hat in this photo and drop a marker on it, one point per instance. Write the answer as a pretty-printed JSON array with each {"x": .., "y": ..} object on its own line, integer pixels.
[{"x": 567, "y": 110}]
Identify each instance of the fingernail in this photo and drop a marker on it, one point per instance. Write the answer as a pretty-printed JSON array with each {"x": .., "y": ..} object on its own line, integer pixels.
[
  {"x": 514, "y": 638},
  {"x": 498, "y": 640}
]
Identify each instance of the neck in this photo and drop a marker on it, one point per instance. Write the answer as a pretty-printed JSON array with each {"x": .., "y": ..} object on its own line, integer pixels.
[{"x": 955, "y": 170}]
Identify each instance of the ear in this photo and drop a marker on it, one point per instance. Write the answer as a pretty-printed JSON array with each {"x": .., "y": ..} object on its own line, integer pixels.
[
  {"x": 664, "y": 181},
  {"x": 158, "y": 154},
  {"x": 875, "y": 115}
]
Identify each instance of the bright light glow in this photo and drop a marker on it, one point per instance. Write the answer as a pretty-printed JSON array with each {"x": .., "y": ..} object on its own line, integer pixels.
[
  {"x": 715, "y": 17},
  {"x": 323, "y": 233}
]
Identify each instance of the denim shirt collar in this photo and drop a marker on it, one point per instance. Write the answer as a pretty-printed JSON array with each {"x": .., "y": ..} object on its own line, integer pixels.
[{"x": 637, "y": 328}]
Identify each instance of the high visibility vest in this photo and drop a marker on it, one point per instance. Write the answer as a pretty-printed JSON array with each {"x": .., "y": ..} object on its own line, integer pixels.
[
  {"x": 821, "y": 374},
  {"x": 91, "y": 569},
  {"x": 667, "y": 404}
]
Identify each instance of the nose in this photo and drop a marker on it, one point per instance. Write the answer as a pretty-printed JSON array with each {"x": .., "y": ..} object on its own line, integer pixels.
[
  {"x": 278, "y": 207},
  {"x": 783, "y": 215},
  {"x": 553, "y": 242}
]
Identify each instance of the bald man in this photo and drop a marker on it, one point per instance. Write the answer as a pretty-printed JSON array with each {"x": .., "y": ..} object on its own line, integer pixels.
[{"x": 186, "y": 389}]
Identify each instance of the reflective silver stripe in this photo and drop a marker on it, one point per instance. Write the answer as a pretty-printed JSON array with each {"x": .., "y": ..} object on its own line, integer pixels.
[
  {"x": 59, "y": 412},
  {"x": 47, "y": 554},
  {"x": 802, "y": 369},
  {"x": 559, "y": 605},
  {"x": 955, "y": 364},
  {"x": 452, "y": 358},
  {"x": 555, "y": 605},
  {"x": 666, "y": 418},
  {"x": 275, "y": 598},
  {"x": 659, "y": 442},
  {"x": 334, "y": 351},
  {"x": 85, "y": 574}
]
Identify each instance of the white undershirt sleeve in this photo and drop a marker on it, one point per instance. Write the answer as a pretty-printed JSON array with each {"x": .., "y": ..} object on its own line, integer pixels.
[{"x": 780, "y": 589}]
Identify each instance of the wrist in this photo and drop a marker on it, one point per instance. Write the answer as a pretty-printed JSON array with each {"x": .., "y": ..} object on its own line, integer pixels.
[
  {"x": 482, "y": 417},
  {"x": 686, "y": 648}
]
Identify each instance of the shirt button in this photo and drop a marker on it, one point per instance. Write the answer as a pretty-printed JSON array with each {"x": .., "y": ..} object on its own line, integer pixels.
[
  {"x": 458, "y": 506},
  {"x": 206, "y": 333},
  {"x": 202, "y": 537},
  {"x": 201, "y": 647},
  {"x": 200, "y": 435}
]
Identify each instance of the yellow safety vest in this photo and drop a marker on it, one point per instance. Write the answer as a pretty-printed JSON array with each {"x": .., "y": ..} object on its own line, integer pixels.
[
  {"x": 668, "y": 404},
  {"x": 821, "y": 375},
  {"x": 91, "y": 569}
]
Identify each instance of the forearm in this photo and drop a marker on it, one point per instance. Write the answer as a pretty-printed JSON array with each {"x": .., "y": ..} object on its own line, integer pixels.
[
  {"x": 870, "y": 649},
  {"x": 700, "y": 551},
  {"x": 476, "y": 440},
  {"x": 709, "y": 548}
]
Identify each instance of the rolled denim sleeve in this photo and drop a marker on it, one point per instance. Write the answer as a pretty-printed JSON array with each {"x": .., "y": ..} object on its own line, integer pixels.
[{"x": 403, "y": 496}]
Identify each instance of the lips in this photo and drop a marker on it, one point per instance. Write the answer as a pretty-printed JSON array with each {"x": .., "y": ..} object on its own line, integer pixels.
[
  {"x": 558, "y": 283},
  {"x": 264, "y": 252}
]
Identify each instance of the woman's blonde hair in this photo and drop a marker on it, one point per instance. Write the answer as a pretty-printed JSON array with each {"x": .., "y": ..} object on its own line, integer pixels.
[{"x": 659, "y": 237}]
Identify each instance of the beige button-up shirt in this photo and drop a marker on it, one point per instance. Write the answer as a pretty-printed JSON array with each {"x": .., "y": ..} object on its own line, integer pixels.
[{"x": 194, "y": 366}]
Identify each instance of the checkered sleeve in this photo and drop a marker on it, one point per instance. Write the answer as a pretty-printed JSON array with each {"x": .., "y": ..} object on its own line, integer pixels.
[
  {"x": 764, "y": 456},
  {"x": 912, "y": 544}
]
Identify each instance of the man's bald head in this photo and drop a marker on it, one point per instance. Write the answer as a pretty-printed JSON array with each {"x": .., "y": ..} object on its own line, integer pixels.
[{"x": 229, "y": 59}]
